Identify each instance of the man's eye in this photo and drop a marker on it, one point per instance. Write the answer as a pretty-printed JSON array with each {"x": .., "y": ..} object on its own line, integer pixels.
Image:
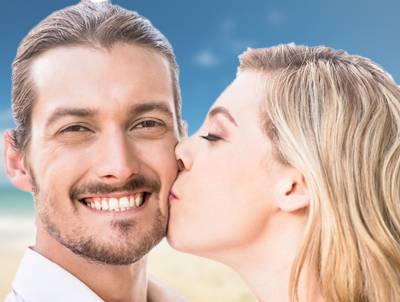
[
  {"x": 148, "y": 124},
  {"x": 74, "y": 128},
  {"x": 211, "y": 137}
]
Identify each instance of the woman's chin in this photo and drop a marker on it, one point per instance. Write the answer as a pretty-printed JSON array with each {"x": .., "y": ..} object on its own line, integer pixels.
[
  {"x": 177, "y": 240},
  {"x": 179, "y": 232},
  {"x": 172, "y": 242}
]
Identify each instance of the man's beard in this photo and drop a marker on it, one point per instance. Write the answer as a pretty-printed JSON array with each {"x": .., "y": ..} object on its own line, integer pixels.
[
  {"x": 131, "y": 247},
  {"x": 130, "y": 252}
]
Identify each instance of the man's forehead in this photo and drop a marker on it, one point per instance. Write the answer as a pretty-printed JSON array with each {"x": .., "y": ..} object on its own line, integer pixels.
[
  {"x": 134, "y": 55},
  {"x": 81, "y": 73}
]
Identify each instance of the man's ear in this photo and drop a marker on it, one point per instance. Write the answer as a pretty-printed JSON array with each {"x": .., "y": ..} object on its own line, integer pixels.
[
  {"x": 15, "y": 168},
  {"x": 295, "y": 194}
]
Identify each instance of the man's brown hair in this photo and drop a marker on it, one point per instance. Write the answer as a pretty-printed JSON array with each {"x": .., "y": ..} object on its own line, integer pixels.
[{"x": 87, "y": 24}]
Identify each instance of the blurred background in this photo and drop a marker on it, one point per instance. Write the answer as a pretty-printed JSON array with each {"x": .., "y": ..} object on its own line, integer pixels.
[{"x": 207, "y": 36}]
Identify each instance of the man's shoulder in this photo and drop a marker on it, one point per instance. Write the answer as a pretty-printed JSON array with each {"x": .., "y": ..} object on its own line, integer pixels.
[
  {"x": 13, "y": 297},
  {"x": 159, "y": 292},
  {"x": 39, "y": 279}
]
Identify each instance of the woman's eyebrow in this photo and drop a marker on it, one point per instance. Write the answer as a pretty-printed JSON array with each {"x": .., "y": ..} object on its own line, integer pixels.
[{"x": 225, "y": 112}]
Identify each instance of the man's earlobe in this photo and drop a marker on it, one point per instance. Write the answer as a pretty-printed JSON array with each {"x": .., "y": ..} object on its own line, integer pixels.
[
  {"x": 296, "y": 197},
  {"x": 15, "y": 169}
]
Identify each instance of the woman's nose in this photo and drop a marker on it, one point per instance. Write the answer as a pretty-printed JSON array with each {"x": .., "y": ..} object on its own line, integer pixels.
[
  {"x": 184, "y": 155},
  {"x": 181, "y": 166}
]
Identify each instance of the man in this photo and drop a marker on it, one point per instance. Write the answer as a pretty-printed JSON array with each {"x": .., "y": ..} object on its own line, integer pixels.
[{"x": 96, "y": 102}]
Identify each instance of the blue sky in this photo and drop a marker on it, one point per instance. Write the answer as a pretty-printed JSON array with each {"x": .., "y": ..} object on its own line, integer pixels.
[{"x": 208, "y": 35}]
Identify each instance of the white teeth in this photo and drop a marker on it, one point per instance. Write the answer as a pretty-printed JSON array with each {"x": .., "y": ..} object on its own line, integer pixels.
[
  {"x": 124, "y": 202},
  {"x": 104, "y": 204},
  {"x": 137, "y": 200},
  {"x": 98, "y": 205},
  {"x": 113, "y": 204}
]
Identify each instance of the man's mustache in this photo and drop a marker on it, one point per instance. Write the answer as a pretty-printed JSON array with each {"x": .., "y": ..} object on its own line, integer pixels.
[{"x": 140, "y": 182}]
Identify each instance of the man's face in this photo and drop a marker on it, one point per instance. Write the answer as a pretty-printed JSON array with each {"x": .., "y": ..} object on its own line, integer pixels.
[{"x": 101, "y": 154}]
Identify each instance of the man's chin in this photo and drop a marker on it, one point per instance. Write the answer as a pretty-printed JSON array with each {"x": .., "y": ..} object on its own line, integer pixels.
[
  {"x": 123, "y": 244},
  {"x": 117, "y": 254}
]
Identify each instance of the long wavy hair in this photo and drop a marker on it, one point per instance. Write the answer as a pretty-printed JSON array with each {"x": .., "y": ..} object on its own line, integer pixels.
[{"x": 336, "y": 118}]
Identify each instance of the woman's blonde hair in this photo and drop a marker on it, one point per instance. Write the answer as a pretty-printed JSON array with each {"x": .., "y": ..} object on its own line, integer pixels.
[{"x": 336, "y": 118}]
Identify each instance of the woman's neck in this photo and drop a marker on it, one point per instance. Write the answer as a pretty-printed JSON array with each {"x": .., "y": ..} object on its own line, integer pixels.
[
  {"x": 266, "y": 266},
  {"x": 265, "y": 263}
]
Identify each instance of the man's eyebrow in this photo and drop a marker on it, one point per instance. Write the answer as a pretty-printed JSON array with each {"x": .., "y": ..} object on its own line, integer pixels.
[
  {"x": 225, "y": 112},
  {"x": 138, "y": 109},
  {"x": 62, "y": 112}
]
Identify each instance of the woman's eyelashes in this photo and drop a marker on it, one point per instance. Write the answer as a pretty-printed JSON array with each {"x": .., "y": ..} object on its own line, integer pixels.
[{"x": 211, "y": 137}]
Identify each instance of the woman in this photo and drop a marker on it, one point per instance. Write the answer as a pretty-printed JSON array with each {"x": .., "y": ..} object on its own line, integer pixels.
[{"x": 293, "y": 179}]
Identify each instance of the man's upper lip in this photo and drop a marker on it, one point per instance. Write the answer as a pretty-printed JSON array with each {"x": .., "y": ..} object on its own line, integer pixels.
[{"x": 112, "y": 195}]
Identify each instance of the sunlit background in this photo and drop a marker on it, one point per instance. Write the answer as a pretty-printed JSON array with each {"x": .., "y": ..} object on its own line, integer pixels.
[{"x": 207, "y": 37}]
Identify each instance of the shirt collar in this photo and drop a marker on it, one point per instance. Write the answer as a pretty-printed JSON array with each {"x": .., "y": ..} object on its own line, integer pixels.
[{"x": 39, "y": 279}]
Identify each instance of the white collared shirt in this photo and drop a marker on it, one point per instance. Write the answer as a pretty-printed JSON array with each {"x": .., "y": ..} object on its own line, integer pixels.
[{"x": 40, "y": 280}]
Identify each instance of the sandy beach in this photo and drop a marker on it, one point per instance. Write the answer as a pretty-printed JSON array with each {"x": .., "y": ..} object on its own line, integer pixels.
[{"x": 198, "y": 279}]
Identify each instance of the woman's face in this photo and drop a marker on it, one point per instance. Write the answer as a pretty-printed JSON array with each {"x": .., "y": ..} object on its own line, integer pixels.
[{"x": 225, "y": 191}]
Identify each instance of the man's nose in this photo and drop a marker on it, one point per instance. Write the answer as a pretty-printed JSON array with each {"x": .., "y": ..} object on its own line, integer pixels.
[
  {"x": 184, "y": 155},
  {"x": 117, "y": 162}
]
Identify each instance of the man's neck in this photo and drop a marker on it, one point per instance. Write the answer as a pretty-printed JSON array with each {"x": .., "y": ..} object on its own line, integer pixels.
[{"x": 110, "y": 282}]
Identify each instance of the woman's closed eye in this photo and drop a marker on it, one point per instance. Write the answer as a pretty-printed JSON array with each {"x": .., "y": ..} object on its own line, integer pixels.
[{"x": 211, "y": 137}]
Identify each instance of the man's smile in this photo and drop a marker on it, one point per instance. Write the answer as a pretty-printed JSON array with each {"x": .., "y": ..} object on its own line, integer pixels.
[{"x": 116, "y": 202}]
